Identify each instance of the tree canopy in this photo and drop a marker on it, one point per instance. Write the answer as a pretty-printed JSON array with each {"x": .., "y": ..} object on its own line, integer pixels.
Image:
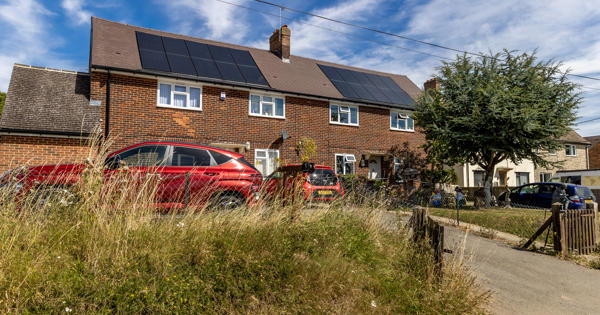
[
  {"x": 2, "y": 98},
  {"x": 500, "y": 106}
]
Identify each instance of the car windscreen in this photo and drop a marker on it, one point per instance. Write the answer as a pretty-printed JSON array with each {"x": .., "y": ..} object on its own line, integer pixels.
[
  {"x": 584, "y": 192},
  {"x": 322, "y": 177}
]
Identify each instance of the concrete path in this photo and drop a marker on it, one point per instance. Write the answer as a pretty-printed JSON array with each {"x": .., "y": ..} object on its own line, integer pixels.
[{"x": 524, "y": 282}]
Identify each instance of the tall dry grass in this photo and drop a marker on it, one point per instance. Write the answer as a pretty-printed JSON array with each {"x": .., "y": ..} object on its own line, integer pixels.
[{"x": 108, "y": 250}]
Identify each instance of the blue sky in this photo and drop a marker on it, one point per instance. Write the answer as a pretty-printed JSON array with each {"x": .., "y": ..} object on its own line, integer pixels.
[{"x": 56, "y": 33}]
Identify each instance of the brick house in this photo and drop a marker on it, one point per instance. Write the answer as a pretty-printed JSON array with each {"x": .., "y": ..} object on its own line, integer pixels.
[
  {"x": 153, "y": 85},
  {"x": 574, "y": 156},
  {"x": 594, "y": 152}
]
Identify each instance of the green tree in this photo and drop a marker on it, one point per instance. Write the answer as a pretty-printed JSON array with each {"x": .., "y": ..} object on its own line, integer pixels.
[
  {"x": 501, "y": 106},
  {"x": 2, "y": 98}
]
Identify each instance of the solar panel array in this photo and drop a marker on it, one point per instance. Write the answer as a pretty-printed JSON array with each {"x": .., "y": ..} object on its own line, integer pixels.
[
  {"x": 368, "y": 87},
  {"x": 197, "y": 59}
]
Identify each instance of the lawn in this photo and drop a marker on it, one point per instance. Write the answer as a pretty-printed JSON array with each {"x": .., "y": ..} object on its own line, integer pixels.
[{"x": 517, "y": 221}]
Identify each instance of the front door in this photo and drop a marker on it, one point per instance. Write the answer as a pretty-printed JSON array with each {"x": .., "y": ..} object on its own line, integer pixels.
[{"x": 375, "y": 167}]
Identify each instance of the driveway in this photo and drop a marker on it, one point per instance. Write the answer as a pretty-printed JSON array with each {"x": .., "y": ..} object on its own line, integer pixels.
[{"x": 524, "y": 282}]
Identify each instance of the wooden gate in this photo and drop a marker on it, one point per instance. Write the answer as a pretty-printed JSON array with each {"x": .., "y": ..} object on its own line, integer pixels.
[{"x": 578, "y": 231}]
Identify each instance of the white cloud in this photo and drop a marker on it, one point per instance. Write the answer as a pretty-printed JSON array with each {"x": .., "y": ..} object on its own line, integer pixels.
[
  {"x": 26, "y": 38},
  {"x": 208, "y": 19},
  {"x": 75, "y": 11}
]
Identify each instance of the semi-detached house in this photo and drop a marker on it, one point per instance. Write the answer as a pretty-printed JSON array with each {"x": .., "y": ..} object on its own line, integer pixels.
[{"x": 145, "y": 84}]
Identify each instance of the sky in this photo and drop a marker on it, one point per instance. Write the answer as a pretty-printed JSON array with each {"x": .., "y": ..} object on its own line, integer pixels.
[{"x": 56, "y": 34}]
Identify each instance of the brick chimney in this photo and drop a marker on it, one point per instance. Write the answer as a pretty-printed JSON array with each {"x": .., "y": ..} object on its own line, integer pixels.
[
  {"x": 432, "y": 83},
  {"x": 280, "y": 43}
]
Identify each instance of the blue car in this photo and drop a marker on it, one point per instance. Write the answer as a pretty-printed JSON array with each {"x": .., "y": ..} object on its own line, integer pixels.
[{"x": 539, "y": 195}]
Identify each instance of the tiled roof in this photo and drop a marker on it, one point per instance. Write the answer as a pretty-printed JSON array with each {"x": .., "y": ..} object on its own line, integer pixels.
[
  {"x": 41, "y": 100},
  {"x": 574, "y": 137},
  {"x": 114, "y": 46},
  {"x": 593, "y": 139}
]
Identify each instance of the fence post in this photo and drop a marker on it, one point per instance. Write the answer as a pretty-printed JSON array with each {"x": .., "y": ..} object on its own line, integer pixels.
[
  {"x": 556, "y": 226},
  {"x": 594, "y": 207}
]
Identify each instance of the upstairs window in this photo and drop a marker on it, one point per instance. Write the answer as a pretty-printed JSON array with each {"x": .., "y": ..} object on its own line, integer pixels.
[
  {"x": 343, "y": 114},
  {"x": 179, "y": 96},
  {"x": 571, "y": 150},
  {"x": 267, "y": 106},
  {"x": 401, "y": 121}
]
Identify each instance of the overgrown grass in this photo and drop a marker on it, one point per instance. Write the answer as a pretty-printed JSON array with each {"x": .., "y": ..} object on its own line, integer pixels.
[
  {"x": 521, "y": 222},
  {"x": 110, "y": 252}
]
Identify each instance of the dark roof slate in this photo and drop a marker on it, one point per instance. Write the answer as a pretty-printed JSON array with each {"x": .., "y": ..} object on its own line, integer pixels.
[
  {"x": 41, "y": 100},
  {"x": 114, "y": 46}
]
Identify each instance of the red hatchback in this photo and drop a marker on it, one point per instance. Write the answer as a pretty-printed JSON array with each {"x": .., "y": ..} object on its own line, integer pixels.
[
  {"x": 185, "y": 173},
  {"x": 318, "y": 182}
]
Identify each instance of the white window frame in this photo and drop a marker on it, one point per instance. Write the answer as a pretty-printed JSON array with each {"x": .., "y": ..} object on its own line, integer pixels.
[
  {"x": 187, "y": 93},
  {"x": 574, "y": 149},
  {"x": 405, "y": 121},
  {"x": 260, "y": 109},
  {"x": 345, "y": 155},
  {"x": 266, "y": 158},
  {"x": 340, "y": 105}
]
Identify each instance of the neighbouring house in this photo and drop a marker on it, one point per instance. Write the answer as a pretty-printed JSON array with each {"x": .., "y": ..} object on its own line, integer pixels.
[
  {"x": 573, "y": 157},
  {"x": 146, "y": 84},
  {"x": 47, "y": 117},
  {"x": 594, "y": 152}
]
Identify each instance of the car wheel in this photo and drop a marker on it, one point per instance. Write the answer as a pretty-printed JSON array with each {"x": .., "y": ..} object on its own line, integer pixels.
[
  {"x": 46, "y": 196},
  {"x": 227, "y": 202}
]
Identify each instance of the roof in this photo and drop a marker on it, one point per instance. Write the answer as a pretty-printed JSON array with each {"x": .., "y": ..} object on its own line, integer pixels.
[
  {"x": 114, "y": 46},
  {"x": 48, "y": 101},
  {"x": 593, "y": 139},
  {"x": 574, "y": 137}
]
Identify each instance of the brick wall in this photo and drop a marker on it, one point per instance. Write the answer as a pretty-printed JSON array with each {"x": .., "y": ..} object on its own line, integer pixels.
[
  {"x": 134, "y": 117},
  {"x": 27, "y": 150},
  {"x": 577, "y": 162},
  {"x": 594, "y": 156}
]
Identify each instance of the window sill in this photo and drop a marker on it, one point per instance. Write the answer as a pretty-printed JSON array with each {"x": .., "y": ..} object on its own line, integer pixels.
[
  {"x": 402, "y": 130},
  {"x": 183, "y": 108},
  {"x": 571, "y": 155},
  {"x": 263, "y": 116},
  {"x": 341, "y": 124}
]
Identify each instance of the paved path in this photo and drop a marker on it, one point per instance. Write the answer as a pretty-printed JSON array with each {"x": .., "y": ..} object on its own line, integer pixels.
[{"x": 524, "y": 282}]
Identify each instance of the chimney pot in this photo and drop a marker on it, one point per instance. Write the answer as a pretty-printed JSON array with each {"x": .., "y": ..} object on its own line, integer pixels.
[{"x": 279, "y": 43}]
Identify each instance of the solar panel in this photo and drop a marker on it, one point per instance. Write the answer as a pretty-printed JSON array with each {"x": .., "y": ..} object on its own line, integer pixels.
[
  {"x": 368, "y": 87},
  {"x": 175, "y": 55}
]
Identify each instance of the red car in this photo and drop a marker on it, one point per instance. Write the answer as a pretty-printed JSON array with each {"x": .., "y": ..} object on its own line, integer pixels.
[
  {"x": 187, "y": 174},
  {"x": 318, "y": 182}
]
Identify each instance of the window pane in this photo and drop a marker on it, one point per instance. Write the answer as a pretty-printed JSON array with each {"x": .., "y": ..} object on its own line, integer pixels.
[
  {"x": 278, "y": 107},
  {"x": 334, "y": 113},
  {"x": 195, "y": 97},
  {"x": 255, "y": 104},
  {"x": 165, "y": 94},
  {"x": 343, "y": 118},
  {"x": 394, "y": 120},
  {"x": 267, "y": 99},
  {"x": 339, "y": 164},
  {"x": 179, "y": 100},
  {"x": 179, "y": 88},
  {"x": 410, "y": 124},
  {"x": 349, "y": 169},
  {"x": 402, "y": 124},
  {"x": 267, "y": 109},
  {"x": 183, "y": 156},
  {"x": 353, "y": 115},
  {"x": 144, "y": 156},
  {"x": 261, "y": 154},
  {"x": 261, "y": 165}
]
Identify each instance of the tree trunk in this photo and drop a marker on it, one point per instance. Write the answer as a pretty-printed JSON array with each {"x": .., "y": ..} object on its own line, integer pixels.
[{"x": 487, "y": 186}]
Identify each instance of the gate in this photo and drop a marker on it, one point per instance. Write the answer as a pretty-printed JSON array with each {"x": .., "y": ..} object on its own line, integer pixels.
[{"x": 578, "y": 231}]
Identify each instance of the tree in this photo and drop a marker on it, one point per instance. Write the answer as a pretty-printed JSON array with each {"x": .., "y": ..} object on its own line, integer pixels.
[
  {"x": 497, "y": 107},
  {"x": 409, "y": 162},
  {"x": 2, "y": 98},
  {"x": 306, "y": 147}
]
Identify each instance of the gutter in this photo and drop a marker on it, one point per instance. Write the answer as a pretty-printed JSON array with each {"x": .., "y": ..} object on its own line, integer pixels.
[
  {"x": 43, "y": 133},
  {"x": 248, "y": 87}
]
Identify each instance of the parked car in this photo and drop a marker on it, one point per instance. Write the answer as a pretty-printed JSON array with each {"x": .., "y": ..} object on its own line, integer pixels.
[
  {"x": 540, "y": 195},
  {"x": 317, "y": 182},
  {"x": 185, "y": 173}
]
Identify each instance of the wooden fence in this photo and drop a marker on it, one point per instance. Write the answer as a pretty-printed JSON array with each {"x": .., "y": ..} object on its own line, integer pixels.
[
  {"x": 424, "y": 228},
  {"x": 574, "y": 231}
]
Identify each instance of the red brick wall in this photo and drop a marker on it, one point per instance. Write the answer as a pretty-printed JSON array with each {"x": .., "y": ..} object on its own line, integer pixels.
[
  {"x": 25, "y": 150},
  {"x": 134, "y": 117},
  {"x": 594, "y": 156}
]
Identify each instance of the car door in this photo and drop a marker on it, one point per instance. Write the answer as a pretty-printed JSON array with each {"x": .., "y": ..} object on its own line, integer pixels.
[
  {"x": 138, "y": 168},
  {"x": 188, "y": 176},
  {"x": 544, "y": 196},
  {"x": 528, "y": 195}
]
